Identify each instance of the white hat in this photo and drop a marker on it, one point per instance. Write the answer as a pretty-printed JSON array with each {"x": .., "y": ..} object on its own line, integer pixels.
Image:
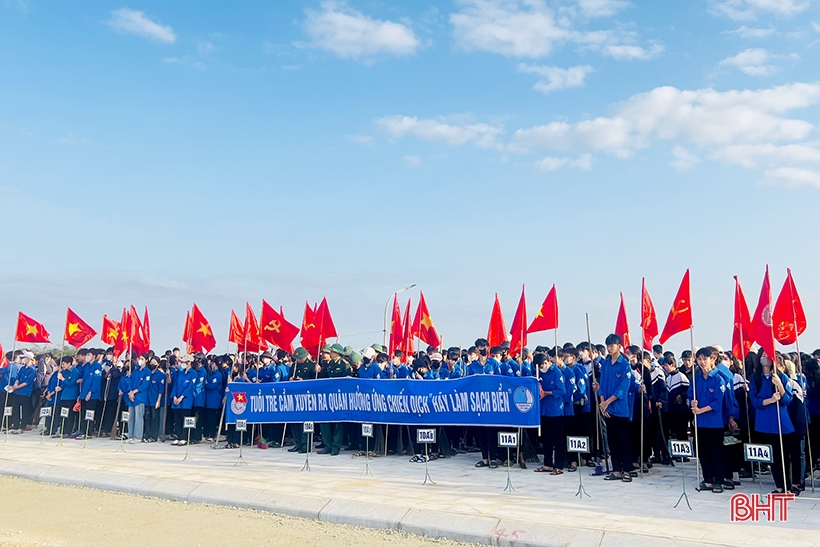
[
  {"x": 436, "y": 357},
  {"x": 369, "y": 352},
  {"x": 27, "y": 355},
  {"x": 719, "y": 349}
]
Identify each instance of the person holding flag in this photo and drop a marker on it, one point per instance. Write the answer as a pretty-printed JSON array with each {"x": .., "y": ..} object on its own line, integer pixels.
[
  {"x": 613, "y": 394},
  {"x": 710, "y": 409},
  {"x": 20, "y": 391}
]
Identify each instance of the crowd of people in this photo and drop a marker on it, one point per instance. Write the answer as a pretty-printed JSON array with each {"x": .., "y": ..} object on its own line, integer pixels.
[{"x": 629, "y": 402}]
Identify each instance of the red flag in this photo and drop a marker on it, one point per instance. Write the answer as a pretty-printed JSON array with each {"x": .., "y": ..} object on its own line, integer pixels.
[
  {"x": 742, "y": 329},
  {"x": 762, "y": 326},
  {"x": 423, "y": 324},
  {"x": 124, "y": 338},
  {"x": 326, "y": 327},
  {"x": 649, "y": 320},
  {"x": 409, "y": 345},
  {"x": 547, "y": 318},
  {"x": 276, "y": 329},
  {"x": 622, "y": 325},
  {"x": 680, "y": 316},
  {"x": 137, "y": 335},
  {"x": 396, "y": 330},
  {"x": 77, "y": 331},
  {"x": 30, "y": 331},
  {"x": 202, "y": 337},
  {"x": 187, "y": 335},
  {"x": 253, "y": 338},
  {"x": 497, "y": 333},
  {"x": 519, "y": 326},
  {"x": 310, "y": 332},
  {"x": 788, "y": 318},
  {"x": 110, "y": 331},
  {"x": 236, "y": 334},
  {"x": 3, "y": 361},
  {"x": 146, "y": 330}
]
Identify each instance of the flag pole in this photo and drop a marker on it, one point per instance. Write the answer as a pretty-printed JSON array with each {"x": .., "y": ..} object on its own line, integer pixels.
[
  {"x": 594, "y": 396},
  {"x": 643, "y": 382},
  {"x": 6, "y": 403},
  {"x": 224, "y": 396},
  {"x": 54, "y": 410},
  {"x": 776, "y": 372},
  {"x": 695, "y": 395},
  {"x": 745, "y": 385},
  {"x": 800, "y": 366}
]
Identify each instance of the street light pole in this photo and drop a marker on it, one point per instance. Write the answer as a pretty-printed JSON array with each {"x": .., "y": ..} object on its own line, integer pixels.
[{"x": 386, "y": 306}]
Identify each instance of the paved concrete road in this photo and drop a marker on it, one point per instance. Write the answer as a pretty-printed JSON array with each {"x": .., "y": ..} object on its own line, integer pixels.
[{"x": 466, "y": 503}]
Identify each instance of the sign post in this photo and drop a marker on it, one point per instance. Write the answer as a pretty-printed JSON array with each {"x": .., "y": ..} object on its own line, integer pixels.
[
  {"x": 89, "y": 419},
  {"x": 309, "y": 428},
  {"x": 508, "y": 440},
  {"x": 758, "y": 454},
  {"x": 63, "y": 415},
  {"x": 579, "y": 445},
  {"x": 190, "y": 423},
  {"x": 45, "y": 412},
  {"x": 7, "y": 411},
  {"x": 426, "y": 437},
  {"x": 124, "y": 419},
  {"x": 367, "y": 433},
  {"x": 242, "y": 427},
  {"x": 682, "y": 450}
]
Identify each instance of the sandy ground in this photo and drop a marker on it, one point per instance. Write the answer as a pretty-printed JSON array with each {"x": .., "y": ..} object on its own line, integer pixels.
[{"x": 45, "y": 515}]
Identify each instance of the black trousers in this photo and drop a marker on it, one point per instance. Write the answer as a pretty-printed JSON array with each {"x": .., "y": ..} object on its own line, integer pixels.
[
  {"x": 677, "y": 424},
  {"x": 554, "y": 441},
  {"x": 779, "y": 456},
  {"x": 151, "y": 420},
  {"x": 107, "y": 415},
  {"x": 711, "y": 454},
  {"x": 620, "y": 449},
  {"x": 70, "y": 421},
  {"x": 88, "y": 405},
  {"x": 179, "y": 423},
  {"x": 488, "y": 437},
  {"x": 21, "y": 411}
]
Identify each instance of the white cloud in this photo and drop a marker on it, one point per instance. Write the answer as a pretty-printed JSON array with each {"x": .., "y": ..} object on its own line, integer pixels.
[
  {"x": 526, "y": 29},
  {"x": 624, "y": 52},
  {"x": 752, "y": 61},
  {"x": 684, "y": 159},
  {"x": 412, "y": 161},
  {"x": 702, "y": 117},
  {"x": 602, "y": 8},
  {"x": 186, "y": 61},
  {"x": 71, "y": 139},
  {"x": 747, "y": 10},
  {"x": 550, "y": 163},
  {"x": 752, "y": 155},
  {"x": 816, "y": 27},
  {"x": 353, "y": 35},
  {"x": 129, "y": 21},
  {"x": 532, "y": 29},
  {"x": 791, "y": 177},
  {"x": 747, "y": 32},
  {"x": 360, "y": 139},
  {"x": 453, "y": 132},
  {"x": 206, "y": 48},
  {"x": 554, "y": 78}
]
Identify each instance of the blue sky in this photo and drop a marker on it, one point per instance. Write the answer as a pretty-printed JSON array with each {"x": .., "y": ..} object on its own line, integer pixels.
[{"x": 164, "y": 153}]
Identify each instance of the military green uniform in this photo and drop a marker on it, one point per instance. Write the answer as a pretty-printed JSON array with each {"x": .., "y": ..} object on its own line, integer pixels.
[
  {"x": 302, "y": 371},
  {"x": 333, "y": 434}
]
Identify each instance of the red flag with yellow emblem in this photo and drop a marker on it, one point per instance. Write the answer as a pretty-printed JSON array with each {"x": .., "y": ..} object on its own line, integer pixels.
[
  {"x": 30, "y": 331},
  {"x": 423, "y": 326},
  {"x": 110, "y": 331},
  {"x": 276, "y": 329},
  {"x": 236, "y": 334},
  {"x": 77, "y": 331},
  {"x": 253, "y": 340},
  {"x": 547, "y": 317},
  {"x": 202, "y": 337},
  {"x": 680, "y": 316}
]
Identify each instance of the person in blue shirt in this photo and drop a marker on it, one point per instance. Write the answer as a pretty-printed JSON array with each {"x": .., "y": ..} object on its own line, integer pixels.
[
  {"x": 282, "y": 373},
  {"x": 70, "y": 377},
  {"x": 707, "y": 393},
  {"x": 200, "y": 375},
  {"x": 453, "y": 367},
  {"x": 613, "y": 393},
  {"x": 21, "y": 389},
  {"x": 398, "y": 369},
  {"x": 475, "y": 366},
  {"x": 51, "y": 399},
  {"x": 153, "y": 400},
  {"x": 552, "y": 389},
  {"x": 577, "y": 418},
  {"x": 137, "y": 396},
  {"x": 182, "y": 398},
  {"x": 89, "y": 390},
  {"x": 213, "y": 402},
  {"x": 771, "y": 394}
]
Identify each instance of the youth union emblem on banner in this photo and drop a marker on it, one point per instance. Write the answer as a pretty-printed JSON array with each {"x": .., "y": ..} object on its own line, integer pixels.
[
  {"x": 239, "y": 403},
  {"x": 523, "y": 399}
]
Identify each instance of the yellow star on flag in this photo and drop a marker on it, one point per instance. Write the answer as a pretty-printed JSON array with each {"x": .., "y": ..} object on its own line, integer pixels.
[
  {"x": 73, "y": 328},
  {"x": 31, "y": 329},
  {"x": 204, "y": 329}
]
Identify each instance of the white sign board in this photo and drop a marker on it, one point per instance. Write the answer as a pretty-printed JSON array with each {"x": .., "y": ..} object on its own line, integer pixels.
[
  {"x": 425, "y": 436},
  {"x": 761, "y": 453},
  {"x": 190, "y": 422},
  {"x": 64, "y": 412},
  {"x": 578, "y": 444},
  {"x": 680, "y": 449},
  {"x": 508, "y": 439},
  {"x": 241, "y": 425},
  {"x": 367, "y": 430},
  {"x": 308, "y": 427},
  {"x": 45, "y": 412},
  {"x": 89, "y": 415}
]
